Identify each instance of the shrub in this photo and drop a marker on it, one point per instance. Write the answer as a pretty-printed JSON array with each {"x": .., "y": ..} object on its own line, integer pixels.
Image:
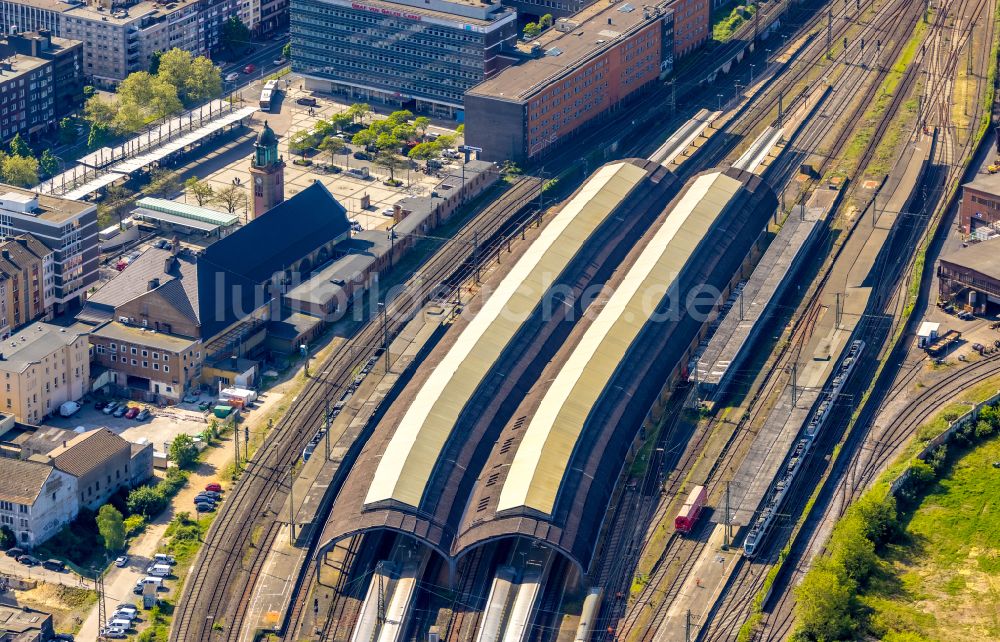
[
  {"x": 146, "y": 501},
  {"x": 134, "y": 524},
  {"x": 825, "y": 604},
  {"x": 183, "y": 451}
]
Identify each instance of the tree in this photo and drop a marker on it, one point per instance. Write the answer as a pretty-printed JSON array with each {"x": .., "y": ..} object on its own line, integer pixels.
[
  {"x": 154, "y": 96},
  {"x": 147, "y": 501},
  {"x": 420, "y": 124},
  {"x": 825, "y": 604},
  {"x": 154, "y": 62},
  {"x": 359, "y": 112},
  {"x": 195, "y": 79},
  {"x": 89, "y": 91},
  {"x": 235, "y": 35},
  {"x": 460, "y": 129},
  {"x": 286, "y": 51},
  {"x": 7, "y": 537},
  {"x": 545, "y": 21},
  {"x": 531, "y": 31},
  {"x": 300, "y": 142},
  {"x": 332, "y": 146},
  {"x": 163, "y": 183},
  {"x": 425, "y": 151},
  {"x": 20, "y": 170},
  {"x": 230, "y": 197},
  {"x": 183, "y": 451},
  {"x": 98, "y": 135},
  {"x": 19, "y": 148},
  {"x": 389, "y": 159},
  {"x": 111, "y": 526},
  {"x": 364, "y": 138},
  {"x": 67, "y": 131},
  {"x": 98, "y": 112},
  {"x": 48, "y": 164},
  {"x": 200, "y": 190}
]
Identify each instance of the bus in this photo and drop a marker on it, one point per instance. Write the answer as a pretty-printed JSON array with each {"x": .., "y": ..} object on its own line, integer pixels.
[{"x": 267, "y": 94}]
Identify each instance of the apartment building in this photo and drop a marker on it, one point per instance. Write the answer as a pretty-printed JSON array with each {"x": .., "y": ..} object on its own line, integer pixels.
[
  {"x": 27, "y": 97},
  {"x": 67, "y": 64},
  {"x": 67, "y": 227},
  {"x": 42, "y": 367},
  {"x": 36, "y": 500},
  {"x": 99, "y": 461},
  {"x": 120, "y": 37},
  {"x": 27, "y": 282}
]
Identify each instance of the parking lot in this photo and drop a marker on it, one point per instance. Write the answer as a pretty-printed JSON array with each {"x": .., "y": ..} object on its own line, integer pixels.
[{"x": 161, "y": 428}]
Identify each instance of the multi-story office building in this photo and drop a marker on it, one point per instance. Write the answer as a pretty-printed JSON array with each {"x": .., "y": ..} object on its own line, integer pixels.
[
  {"x": 42, "y": 367},
  {"x": 582, "y": 69},
  {"x": 418, "y": 54},
  {"x": 67, "y": 64},
  {"x": 68, "y": 228},
  {"x": 120, "y": 37},
  {"x": 27, "y": 282}
]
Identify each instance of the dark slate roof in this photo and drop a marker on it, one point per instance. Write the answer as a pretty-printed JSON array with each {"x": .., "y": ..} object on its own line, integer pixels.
[
  {"x": 240, "y": 263},
  {"x": 87, "y": 451},
  {"x": 21, "y": 481}
]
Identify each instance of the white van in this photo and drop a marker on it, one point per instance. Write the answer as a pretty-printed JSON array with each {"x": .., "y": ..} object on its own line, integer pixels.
[
  {"x": 120, "y": 623},
  {"x": 158, "y": 581},
  {"x": 163, "y": 558},
  {"x": 159, "y": 570}
]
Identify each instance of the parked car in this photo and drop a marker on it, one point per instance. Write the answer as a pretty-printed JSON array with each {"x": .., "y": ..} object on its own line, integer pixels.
[
  {"x": 361, "y": 156},
  {"x": 306, "y": 101},
  {"x": 125, "y": 606},
  {"x": 114, "y": 633},
  {"x": 132, "y": 413},
  {"x": 120, "y": 411},
  {"x": 211, "y": 494},
  {"x": 99, "y": 404},
  {"x": 163, "y": 558},
  {"x": 15, "y": 552},
  {"x": 121, "y": 561},
  {"x": 28, "y": 560},
  {"x": 232, "y": 77},
  {"x": 110, "y": 408},
  {"x": 204, "y": 498},
  {"x": 158, "y": 570},
  {"x": 143, "y": 415},
  {"x": 131, "y": 616},
  {"x": 203, "y": 507},
  {"x": 54, "y": 565},
  {"x": 137, "y": 589},
  {"x": 278, "y": 61},
  {"x": 214, "y": 486},
  {"x": 249, "y": 69}
]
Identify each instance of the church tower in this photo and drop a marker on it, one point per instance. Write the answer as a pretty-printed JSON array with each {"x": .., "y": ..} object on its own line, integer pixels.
[{"x": 267, "y": 172}]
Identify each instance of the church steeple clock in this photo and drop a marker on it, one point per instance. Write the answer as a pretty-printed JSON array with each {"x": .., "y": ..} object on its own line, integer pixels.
[{"x": 267, "y": 172}]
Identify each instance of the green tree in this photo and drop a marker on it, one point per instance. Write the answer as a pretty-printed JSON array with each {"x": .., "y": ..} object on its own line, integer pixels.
[
  {"x": 134, "y": 524},
  {"x": 67, "y": 131},
  {"x": 154, "y": 62},
  {"x": 98, "y": 111},
  {"x": 20, "y": 170},
  {"x": 510, "y": 168},
  {"x": 235, "y": 35},
  {"x": 143, "y": 97},
  {"x": 425, "y": 151},
  {"x": 89, "y": 91},
  {"x": 359, "y": 112},
  {"x": 183, "y": 451},
  {"x": 531, "y": 31},
  {"x": 111, "y": 526},
  {"x": 825, "y": 605},
  {"x": 147, "y": 501},
  {"x": 364, "y": 138},
  {"x": 420, "y": 124},
  {"x": 389, "y": 159},
  {"x": 99, "y": 134},
  {"x": 460, "y": 129},
  {"x": 18, "y": 147},
  {"x": 332, "y": 146},
  {"x": 545, "y": 21},
  {"x": 852, "y": 551},
  {"x": 48, "y": 164},
  {"x": 7, "y": 537},
  {"x": 286, "y": 51},
  {"x": 200, "y": 190},
  {"x": 205, "y": 82},
  {"x": 300, "y": 142}
]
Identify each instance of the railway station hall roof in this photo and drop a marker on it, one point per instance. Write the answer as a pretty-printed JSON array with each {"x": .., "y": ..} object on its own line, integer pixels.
[
  {"x": 553, "y": 431},
  {"x": 409, "y": 459}
]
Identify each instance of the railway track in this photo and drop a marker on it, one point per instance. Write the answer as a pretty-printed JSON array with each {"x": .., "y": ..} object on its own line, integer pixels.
[
  {"x": 217, "y": 592},
  {"x": 889, "y": 17}
]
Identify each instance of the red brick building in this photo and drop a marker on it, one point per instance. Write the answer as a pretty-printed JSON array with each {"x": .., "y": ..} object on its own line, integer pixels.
[
  {"x": 691, "y": 25},
  {"x": 980, "y": 202}
]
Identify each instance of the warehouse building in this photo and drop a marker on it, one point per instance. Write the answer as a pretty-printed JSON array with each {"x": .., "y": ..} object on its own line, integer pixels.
[
  {"x": 970, "y": 276},
  {"x": 419, "y": 54},
  {"x": 980, "y": 206},
  {"x": 578, "y": 72}
]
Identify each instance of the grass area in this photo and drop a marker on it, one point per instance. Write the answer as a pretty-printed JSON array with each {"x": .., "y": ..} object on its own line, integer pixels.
[
  {"x": 65, "y": 603},
  {"x": 940, "y": 580},
  {"x": 725, "y": 25},
  {"x": 883, "y": 98}
]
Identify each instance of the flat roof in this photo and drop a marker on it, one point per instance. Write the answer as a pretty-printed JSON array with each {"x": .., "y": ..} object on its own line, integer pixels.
[
  {"x": 443, "y": 13},
  {"x": 33, "y": 343},
  {"x": 55, "y": 209},
  {"x": 21, "y": 64},
  {"x": 174, "y": 219},
  {"x": 142, "y": 336},
  {"x": 983, "y": 257},
  {"x": 410, "y": 456},
  {"x": 986, "y": 182},
  {"x": 185, "y": 210},
  {"x": 550, "y": 439},
  {"x": 600, "y": 26}
]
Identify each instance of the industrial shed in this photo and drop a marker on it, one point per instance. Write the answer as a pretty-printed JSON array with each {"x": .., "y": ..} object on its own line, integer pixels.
[
  {"x": 551, "y": 473},
  {"x": 425, "y": 454}
]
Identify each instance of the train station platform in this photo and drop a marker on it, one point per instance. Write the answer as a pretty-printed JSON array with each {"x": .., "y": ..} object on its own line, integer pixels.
[
  {"x": 844, "y": 302},
  {"x": 290, "y": 554},
  {"x": 719, "y": 364}
]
